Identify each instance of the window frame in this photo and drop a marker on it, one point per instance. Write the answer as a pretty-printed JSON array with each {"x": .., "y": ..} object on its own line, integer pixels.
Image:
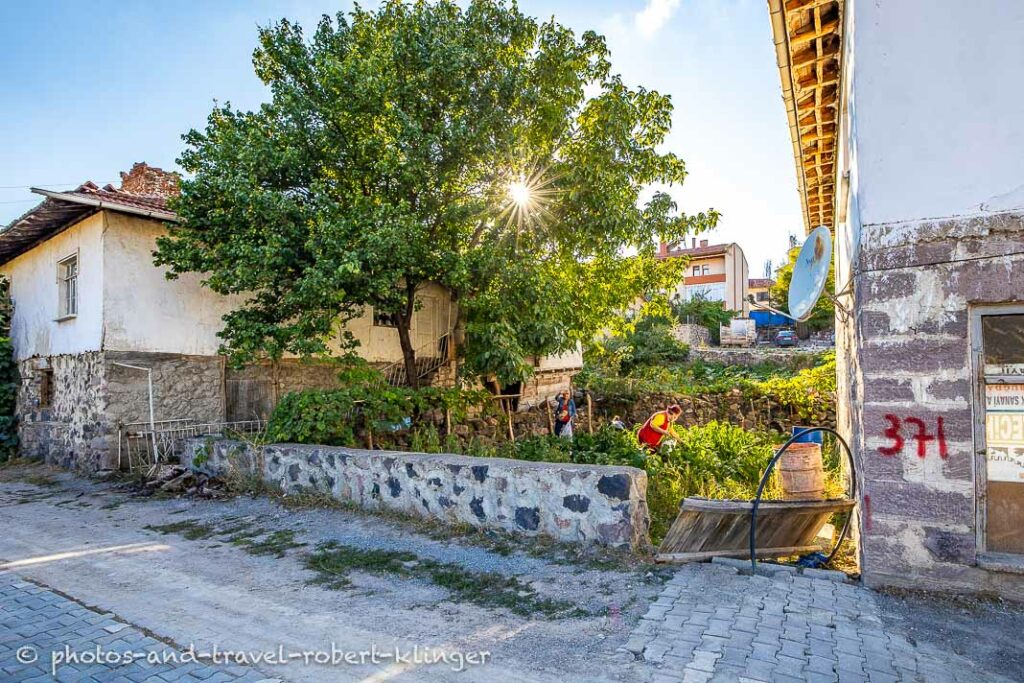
[
  {"x": 384, "y": 320},
  {"x": 46, "y": 381},
  {"x": 68, "y": 309},
  {"x": 993, "y": 560}
]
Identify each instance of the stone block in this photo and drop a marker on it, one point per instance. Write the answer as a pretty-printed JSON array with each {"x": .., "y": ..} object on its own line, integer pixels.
[
  {"x": 917, "y": 502},
  {"x": 825, "y": 575},
  {"x": 924, "y": 355}
]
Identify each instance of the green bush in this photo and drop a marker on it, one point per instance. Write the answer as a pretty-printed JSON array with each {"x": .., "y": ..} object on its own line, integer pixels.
[
  {"x": 363, "y": 401},
  {"x": 9, "y": 379},
  {"x": 715, "y": 460},
  {"x": 650, "y": 343},
  {"x": 810, "y": 394}
]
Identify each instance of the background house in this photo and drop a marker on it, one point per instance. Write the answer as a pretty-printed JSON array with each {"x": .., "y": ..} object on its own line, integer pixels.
[
  {"x": 909, "y": 146},
  {"x": 88, "y": 303},
  {"x": 716, "y": 271},
  {"x": 759, "y": 288}
]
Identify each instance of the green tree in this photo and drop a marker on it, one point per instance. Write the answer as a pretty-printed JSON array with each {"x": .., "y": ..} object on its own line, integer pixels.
[
  {"x": 421, "y": 142},
  {"x": 823, "y": 315},
  {"x": 700, "y": 310}
]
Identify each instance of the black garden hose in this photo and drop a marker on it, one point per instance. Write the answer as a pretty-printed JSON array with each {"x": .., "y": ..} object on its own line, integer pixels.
[{"x": 768, "y": 472}]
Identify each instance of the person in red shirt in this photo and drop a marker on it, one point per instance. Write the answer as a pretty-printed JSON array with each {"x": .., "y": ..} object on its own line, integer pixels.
[{"x": 659, "y": 426}]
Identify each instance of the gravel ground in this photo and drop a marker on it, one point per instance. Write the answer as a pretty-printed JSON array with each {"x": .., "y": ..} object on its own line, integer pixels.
[{"x": 90, "y": 540}]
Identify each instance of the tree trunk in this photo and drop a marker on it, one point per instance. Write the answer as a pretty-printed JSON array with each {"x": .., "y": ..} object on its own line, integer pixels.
[{"x": 405, "y": 337}]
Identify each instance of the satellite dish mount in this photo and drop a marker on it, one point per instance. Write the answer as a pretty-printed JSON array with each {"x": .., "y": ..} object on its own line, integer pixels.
[{"x": 810, "y": 275}]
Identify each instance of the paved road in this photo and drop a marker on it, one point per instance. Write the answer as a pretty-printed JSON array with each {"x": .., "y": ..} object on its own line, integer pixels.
[
  {"x": 713, "y": 624},
  {"x": 40, "y": 629},
  {"x": 81, "y": 568}
]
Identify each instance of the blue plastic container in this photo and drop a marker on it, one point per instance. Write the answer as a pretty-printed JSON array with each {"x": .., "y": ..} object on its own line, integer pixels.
[{"x": 813, "y": 437}]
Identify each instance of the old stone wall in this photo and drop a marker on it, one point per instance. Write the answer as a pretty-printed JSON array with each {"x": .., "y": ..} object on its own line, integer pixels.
[
  {"x": 795, "y": 358},
  {"x": 697, "y": 336},
  {"x": 908, "y": 378},
  {"x": 184, "y": 387},
  {"x": 571, "y": 503},
  {"x": 71, "y": 430}
]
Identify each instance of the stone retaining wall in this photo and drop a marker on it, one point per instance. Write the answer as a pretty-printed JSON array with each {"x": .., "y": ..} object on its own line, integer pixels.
[
  {"x": 796, "y": 358},
  {"x": 570, "y": 503}
]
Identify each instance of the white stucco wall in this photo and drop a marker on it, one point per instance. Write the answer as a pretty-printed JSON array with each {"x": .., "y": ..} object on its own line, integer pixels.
[
  {"x": 146, "y": 312},
  {"x": 143, "y": 311},
  {"x": 33, "y": 275},
  {"x": 939, "y": 108},
  {"x": 435, "y": 318},
  {"x": 127, "y": 304}
]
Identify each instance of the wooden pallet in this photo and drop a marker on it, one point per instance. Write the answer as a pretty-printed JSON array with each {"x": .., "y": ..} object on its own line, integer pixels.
[{"x": 708, "y": 528}]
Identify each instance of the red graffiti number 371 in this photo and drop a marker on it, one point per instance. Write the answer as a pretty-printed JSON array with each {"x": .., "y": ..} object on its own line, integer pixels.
[{"x": 920, "y": 434}]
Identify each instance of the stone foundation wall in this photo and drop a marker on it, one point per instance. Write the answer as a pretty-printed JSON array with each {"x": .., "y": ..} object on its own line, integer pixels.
[
  {"x": 571, "y": 503},
  {"x": 905, "y": 364},
  {"x": 184, "y": 387},
  {"x": 72, "y": 431}
]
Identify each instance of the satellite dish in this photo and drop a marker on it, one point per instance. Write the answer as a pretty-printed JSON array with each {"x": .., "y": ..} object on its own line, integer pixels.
[{"x": 810, "y": 273}]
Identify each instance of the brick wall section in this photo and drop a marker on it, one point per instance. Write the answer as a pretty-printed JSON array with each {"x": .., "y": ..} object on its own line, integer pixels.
[
  {"x": 150, "y": 181},
  {"x": 905, "y": 357}
]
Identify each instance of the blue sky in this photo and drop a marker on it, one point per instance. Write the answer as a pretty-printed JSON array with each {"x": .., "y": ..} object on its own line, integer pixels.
[{"x": 88, "y": 88}]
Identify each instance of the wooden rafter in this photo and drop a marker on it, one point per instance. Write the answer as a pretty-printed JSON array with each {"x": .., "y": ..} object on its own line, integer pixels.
[{"x": 808, "y": 35}]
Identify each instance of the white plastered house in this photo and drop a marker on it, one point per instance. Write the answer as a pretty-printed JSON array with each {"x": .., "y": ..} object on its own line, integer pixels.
[{"x": 93, "y": 318}]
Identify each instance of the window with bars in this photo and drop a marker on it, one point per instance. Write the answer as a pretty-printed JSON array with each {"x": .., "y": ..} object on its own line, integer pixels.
[{"x": 67, "y": 287}]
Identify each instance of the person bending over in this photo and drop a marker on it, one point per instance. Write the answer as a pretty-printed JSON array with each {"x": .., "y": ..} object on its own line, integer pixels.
[{"x": 659, "y": 427}]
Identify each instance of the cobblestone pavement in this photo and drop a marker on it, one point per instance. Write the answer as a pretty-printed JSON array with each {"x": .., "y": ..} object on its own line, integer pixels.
[
  {"x": 36, "y": 622},
  {"x": 712, "y": 623}
]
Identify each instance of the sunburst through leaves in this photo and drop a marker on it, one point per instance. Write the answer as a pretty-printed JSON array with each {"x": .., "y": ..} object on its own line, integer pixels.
[{"x": 527, "y": 199}]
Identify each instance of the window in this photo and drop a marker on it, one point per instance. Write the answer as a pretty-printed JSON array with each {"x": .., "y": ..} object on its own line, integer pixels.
[
  {"x": 45, "y": 388},
  {"x": 696, "y": 271},
  {"x": 383, "y": 319},
  {"x": 1002, "y": 360},
  {"x": 67, "y": 286},
  {"x": 762, "y": 296},
  {"x": 705, "y": 270}
]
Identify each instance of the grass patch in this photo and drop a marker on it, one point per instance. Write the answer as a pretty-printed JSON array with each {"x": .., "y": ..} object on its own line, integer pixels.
[
  {"x": 189, "y": 529},
  {"x": 332, "y": 562},
  {"x": 43, "y": 480},
  {"x": 276, "y": 543}
]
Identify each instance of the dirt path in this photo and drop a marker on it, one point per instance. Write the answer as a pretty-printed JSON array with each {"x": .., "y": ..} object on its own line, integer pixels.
[{"x": 186, "y": 571}]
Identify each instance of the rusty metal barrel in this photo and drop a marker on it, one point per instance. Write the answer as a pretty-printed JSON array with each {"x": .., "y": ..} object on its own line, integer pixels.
[{"x": 802, "y": 472}]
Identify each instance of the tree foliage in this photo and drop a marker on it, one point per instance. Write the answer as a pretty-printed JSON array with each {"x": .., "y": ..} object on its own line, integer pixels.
[
  {"x": 700, "y": 310},
  {"x": 383, "y": 161},
  {"x": 9, "y": 378},
  {"x": 823, "y": 315}
]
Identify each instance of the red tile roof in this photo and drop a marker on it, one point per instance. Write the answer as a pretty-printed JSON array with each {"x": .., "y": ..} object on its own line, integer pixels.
[
  {"x": 109, "y": 193},
  {"x": 710, "y": 250},
  {"x": 60, "y": 210}
]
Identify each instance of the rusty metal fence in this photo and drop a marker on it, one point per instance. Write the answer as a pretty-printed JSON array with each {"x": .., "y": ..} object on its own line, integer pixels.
[{"x": 143, "y": 445}]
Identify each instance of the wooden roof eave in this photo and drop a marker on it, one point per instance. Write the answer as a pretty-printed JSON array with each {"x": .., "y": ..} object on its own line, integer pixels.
[{"x": 808, "y": 44}]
